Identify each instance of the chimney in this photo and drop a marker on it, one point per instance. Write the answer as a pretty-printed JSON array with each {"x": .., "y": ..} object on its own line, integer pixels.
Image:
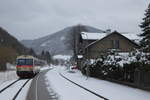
[{"x": 108, "y": 31}]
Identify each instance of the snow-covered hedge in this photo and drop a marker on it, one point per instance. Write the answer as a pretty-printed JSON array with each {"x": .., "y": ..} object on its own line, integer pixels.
[
  {"x": 119, "y": 59},
  {"x": 119, "y": 65}
]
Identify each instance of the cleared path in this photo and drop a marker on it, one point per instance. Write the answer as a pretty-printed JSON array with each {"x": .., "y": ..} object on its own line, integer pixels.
[{"x": 38, "y": 89}]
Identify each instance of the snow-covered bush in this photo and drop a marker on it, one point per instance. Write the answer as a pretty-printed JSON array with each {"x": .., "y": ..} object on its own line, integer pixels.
[
  {"x": 142, "y": 61},
  {"x": 119, "y": 66},
  {"x": 98, "y": 69}
]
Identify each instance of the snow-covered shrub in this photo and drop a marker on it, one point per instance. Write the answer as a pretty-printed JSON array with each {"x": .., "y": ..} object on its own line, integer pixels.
[
  {"x": 113, "y": 66},
  {"x": 97, "y": 69},
  {"x": 94, "y": 67},
  {"x": 142, "y": 60},
  {"x": 119, "y": 66}
]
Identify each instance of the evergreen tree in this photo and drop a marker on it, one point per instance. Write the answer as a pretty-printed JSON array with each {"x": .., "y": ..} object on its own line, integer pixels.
[
  {"x": 31, "y": 52},
  {"x": 145, "y": 25},
  {"x": 48, "y": 56},
  {"x": 42, "y": 55},
  {"x": 45, "y": 55}
]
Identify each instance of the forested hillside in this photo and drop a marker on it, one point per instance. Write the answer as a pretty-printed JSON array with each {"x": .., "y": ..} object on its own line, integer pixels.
[{"x": 10, "y": 47}]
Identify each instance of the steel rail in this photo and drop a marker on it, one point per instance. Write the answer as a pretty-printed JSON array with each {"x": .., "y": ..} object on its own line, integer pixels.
[
  {"x": 9, "y": 86},
  {"x": 14, "y": 98},
  {"x": 84, "y": 87}
]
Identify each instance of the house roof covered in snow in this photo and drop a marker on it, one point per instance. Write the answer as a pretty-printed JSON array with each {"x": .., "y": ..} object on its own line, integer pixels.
[
  {"x": 134, "y": 38},
  {"x": 99, "y": 36},
  {"x": 92, "y": 36}
]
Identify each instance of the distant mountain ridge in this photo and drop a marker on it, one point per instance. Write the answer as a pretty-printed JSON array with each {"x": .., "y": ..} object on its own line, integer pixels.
[{"x": 57, "y": 43}]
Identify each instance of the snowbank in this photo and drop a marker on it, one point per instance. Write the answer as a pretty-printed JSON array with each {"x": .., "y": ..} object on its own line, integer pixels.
[
  {"x": 63, "y": 57},
  {"x": 107, "y": 89},
  {"x": 66, "y": 90},
  {"x": 7, "y": 76}
]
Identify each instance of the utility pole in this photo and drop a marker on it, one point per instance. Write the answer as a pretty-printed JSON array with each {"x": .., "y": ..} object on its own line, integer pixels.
[
  {"x": 87, "y": 58},
  {"x": 87, "y": 69}
]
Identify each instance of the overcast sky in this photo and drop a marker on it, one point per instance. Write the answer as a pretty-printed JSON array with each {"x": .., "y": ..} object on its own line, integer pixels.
[{"x": 30, "y": 19}]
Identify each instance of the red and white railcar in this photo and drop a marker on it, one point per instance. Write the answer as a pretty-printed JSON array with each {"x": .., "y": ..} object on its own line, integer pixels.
[{"x": 27, "y": 66}]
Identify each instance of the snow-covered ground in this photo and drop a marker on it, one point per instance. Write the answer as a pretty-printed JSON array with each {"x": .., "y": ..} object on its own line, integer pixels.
[
  {"x": 112, "y": 91},
  {"x": 46, "y": 67},
  {"x": 24, "y": 92},
  {"x": 66, "y": 90},
  {"x": 7, "y": 76},
  {"x": 11, "y": 91}
]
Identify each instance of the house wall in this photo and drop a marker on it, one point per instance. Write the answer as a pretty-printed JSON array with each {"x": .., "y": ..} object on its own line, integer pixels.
[
  {"x": 85, "y": 43},
  {"x": 102, "y": 46}
]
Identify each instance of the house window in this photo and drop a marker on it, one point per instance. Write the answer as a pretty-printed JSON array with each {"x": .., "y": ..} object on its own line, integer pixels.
[
  {"x": 112, "y": 43},
  {"x": 115, "y": 44}
]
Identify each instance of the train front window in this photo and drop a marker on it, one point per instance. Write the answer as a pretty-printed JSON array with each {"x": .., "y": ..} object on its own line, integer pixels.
[
  {"x": 25, "y": 62},
  {"x": 21, "y": 62}
]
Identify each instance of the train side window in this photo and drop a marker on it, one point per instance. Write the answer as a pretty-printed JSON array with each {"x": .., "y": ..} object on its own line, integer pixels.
[{"x": 29, "y": 61}]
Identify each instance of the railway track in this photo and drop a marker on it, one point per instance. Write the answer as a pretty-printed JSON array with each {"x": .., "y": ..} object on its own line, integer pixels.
[
  {"x": 22, "y": 83},
  {"x": 8, "y": 86},
  {"x": 84, "y": 88},
  {"x": 14, "y": 98}
]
